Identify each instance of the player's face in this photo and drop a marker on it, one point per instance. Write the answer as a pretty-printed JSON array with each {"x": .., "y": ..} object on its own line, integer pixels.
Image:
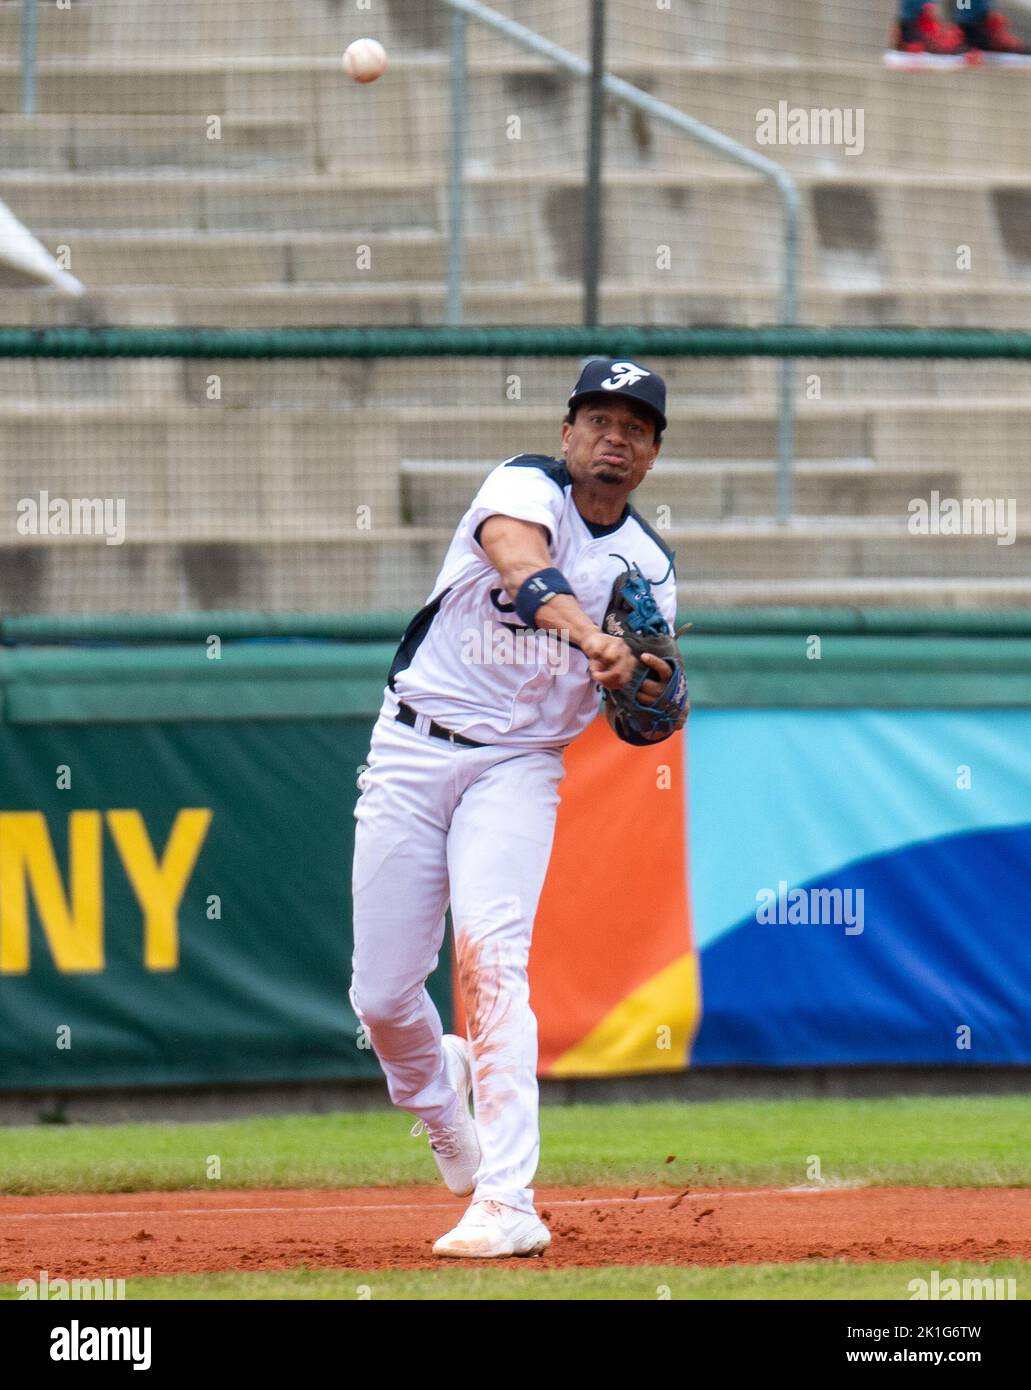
[{"x": 610, "y": 442}]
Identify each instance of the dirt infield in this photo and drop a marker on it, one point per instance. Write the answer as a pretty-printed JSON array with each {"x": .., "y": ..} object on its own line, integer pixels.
[{"x": 381, "y": 1228}]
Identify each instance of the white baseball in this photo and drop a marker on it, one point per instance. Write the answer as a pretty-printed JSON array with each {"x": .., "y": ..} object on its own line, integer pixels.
[{"x": 365, "y": 60}]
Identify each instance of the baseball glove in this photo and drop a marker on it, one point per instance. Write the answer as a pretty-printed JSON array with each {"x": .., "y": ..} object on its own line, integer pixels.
[{"x": 634, "y": 615}]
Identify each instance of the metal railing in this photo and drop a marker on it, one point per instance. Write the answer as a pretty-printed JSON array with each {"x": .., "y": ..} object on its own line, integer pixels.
[
  {"x": 661, "y": 111},
  {"x": 29, "y": 18}
]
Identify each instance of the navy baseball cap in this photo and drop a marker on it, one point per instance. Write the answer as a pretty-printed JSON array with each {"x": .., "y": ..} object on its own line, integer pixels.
[{"x": 618, "y": 377}]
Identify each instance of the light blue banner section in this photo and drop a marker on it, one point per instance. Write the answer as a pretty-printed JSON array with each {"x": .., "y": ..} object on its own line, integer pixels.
[{"x": 795, "y": 794}]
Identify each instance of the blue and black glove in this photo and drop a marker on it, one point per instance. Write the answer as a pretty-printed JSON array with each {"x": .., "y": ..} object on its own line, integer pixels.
[{"x": 634, "y": 615}]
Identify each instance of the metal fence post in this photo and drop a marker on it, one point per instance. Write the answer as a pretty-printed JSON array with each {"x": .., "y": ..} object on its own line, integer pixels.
[
  {"x": 29, "y": 16},
  {"x": 788, "y": 314},
  {"x": 593, "y": 191},
  {"x": 456, "y": 175}
]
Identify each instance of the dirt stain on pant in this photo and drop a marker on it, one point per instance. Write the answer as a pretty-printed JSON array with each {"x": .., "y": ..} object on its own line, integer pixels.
[{"x": 490, "y": 1015}]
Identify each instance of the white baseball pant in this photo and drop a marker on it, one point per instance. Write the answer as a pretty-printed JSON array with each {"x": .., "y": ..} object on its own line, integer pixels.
[{"x": 438, "y": 821}]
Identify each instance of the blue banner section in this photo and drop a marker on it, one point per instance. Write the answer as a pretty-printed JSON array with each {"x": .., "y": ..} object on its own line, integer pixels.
[{"x": 861, "y": 884}]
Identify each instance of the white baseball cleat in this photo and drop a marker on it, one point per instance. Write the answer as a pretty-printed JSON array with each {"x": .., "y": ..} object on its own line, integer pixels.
[
  {"x": 489, "y": 1231},
  {"x": 455, "y": 1147}
]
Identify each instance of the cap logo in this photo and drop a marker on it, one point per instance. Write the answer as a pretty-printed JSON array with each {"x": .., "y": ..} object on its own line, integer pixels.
[{"x": 624, "y": 374}]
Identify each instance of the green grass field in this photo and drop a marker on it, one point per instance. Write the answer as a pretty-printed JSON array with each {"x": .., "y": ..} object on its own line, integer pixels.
[
  {"x": 809, "y": 1279},
  {"x": 967, "y": 1142}
]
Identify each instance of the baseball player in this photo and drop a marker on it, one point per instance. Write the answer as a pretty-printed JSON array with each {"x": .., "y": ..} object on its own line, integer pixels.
[{"x": 493, "y": 678}]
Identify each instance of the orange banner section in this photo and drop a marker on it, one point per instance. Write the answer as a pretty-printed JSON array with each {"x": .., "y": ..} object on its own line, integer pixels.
[{"x": 613, "y": 972}]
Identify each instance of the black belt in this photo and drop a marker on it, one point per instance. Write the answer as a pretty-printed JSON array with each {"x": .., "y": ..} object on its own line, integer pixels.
[{"x": 407, "y": 715}]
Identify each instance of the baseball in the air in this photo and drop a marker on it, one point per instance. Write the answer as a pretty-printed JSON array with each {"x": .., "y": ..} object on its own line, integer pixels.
[{"x": 365, "y": 60}]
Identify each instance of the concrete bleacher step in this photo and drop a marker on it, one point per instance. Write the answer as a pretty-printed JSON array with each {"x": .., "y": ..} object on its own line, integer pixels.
[
  {"x": 115, "y": 29},
  {"x": 890, "y": 591},
  {"x": 478, "y": 383},
  {"x": 966, "y": 121},
  {"x": 387, "y": 570},
  {"x": 960, "y": 432},
  {"x": 60, "y": 32},
  {"x": 962, "y": 121},
  {"x": 678, "y": 491},
  {"x": 469, "y": 383},
  {"x": 228, "y": 260},
  {"x": 706, "y": 227},
  {"x": 194, "y": 471},
  {"x": 365, "y": 306},
  {"x": 746, "y": 31},
  {"x": 267, "y": 144},
  {"x": 230, "y": 202},
  {"x": 486, "y": 382},
  {"x": 835, "y": 548},
  {"x": 679, "y": 304},
  {"x": 392, "y": 566},
  {"x": 211, "y": 459},
  {"x": 398, "y": 126},
  {"x": 533, "y": 303}
]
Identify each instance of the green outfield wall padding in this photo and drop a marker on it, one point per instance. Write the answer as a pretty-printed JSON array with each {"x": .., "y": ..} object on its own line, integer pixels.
[
  {"x": 249, "y": 680},
  {"x": 198, "y": 627},
  {"x": 388, "y": 626},
  {"x": 236, "y": 966},
  {"x": 323, "y": 678}
]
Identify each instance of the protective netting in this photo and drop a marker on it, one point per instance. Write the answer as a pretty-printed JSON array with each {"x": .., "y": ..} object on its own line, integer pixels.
[
  {"x": 335, "y": 484},
  {"x": 209, "y": 163}
]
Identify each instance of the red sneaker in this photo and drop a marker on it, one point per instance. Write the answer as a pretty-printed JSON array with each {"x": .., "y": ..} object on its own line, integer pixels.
[
  {"x": 993, "y": 39},
  {"x": 928, "y": 42}
]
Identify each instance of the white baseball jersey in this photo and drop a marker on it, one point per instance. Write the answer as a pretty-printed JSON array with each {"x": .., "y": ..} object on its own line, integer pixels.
[{"x": 468, "y": 661}]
